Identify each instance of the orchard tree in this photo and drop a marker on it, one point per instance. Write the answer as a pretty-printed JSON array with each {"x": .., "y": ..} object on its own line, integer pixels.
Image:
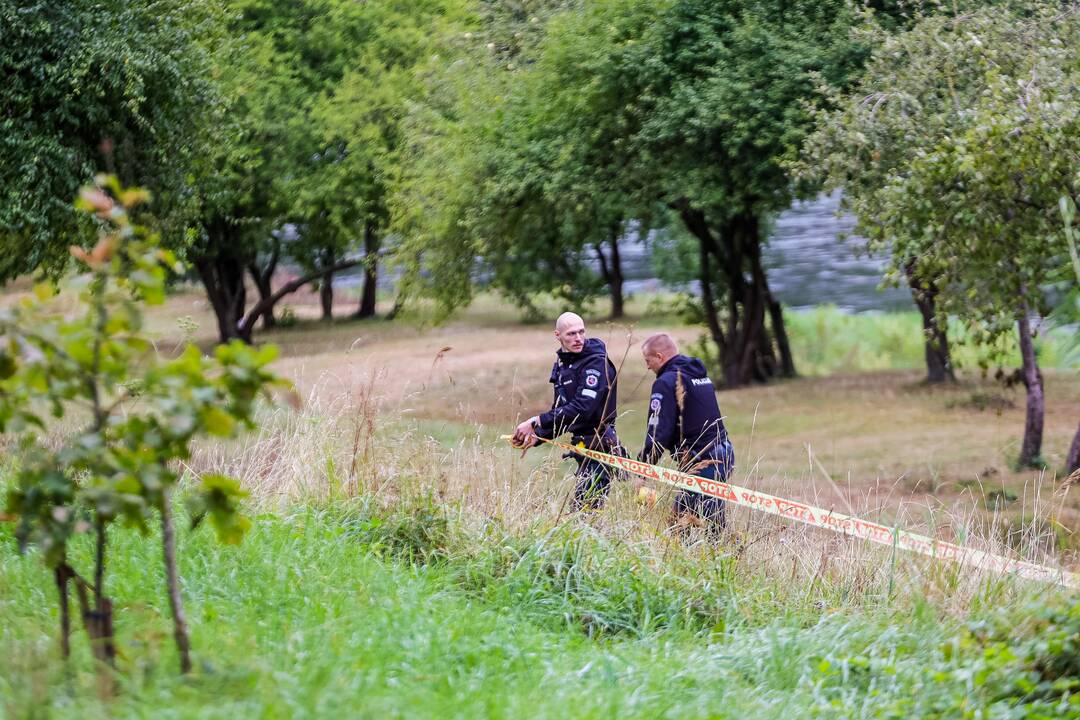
[
  {"x": 687, "y": 103},
  {"x": 313, "y": 94},
  {"x": 136, "y": 415},
  {"x": 357, "y": 122},
  {"x": 271, "y": 61},
  {"x": 88, "y": 85},
  {"x": 953, "y": 152}
]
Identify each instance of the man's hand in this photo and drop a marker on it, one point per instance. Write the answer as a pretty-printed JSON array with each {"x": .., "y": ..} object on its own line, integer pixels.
[{"x": 525, "y": 435}]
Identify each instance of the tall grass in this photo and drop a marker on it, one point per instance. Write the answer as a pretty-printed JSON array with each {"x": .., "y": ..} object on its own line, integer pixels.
[
  {"x": 392, "y": 575},
  {"x": 827, "y": 340},
  {"x": 335, "y": 452}
]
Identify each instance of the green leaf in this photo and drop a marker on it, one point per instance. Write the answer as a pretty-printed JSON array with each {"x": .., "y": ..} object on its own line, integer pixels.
[{"x": 218, "y": 422}]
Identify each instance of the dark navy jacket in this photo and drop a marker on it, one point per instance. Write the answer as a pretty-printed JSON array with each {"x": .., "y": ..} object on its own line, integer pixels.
[
  {"x": 584, "y": 393},
  {"x": 685, "y": 422}
]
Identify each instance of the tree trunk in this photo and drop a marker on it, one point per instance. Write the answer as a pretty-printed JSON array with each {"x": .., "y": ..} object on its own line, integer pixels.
[
  {"x": 61, "y": 576},
  {"x": 98, "y": 620},
  {"x": 712, "y": 318},
  {"x": 99, "y": 629},
  {"x": 371, "y": 272},
  {"x": 611, "y": 272},
  {"x": 399, "y": 305},
  {"x": 746, "y": 360},
  {"x": 787, "y": 362},
  {"x": 1031, "y": 448},
  {"x": 172, "y": 580},
  {"x": 938, "y": 363},
  {"x": 617, "y": 299},
  {"x": 326, "y": 296},
  {"x": 1072, "y": 461},
  {"x": 745, "y": 347},
  {"x": 262, "y": 277},
  {"x": 249, "y": 320},
  {"x": 222, "y": 274}
]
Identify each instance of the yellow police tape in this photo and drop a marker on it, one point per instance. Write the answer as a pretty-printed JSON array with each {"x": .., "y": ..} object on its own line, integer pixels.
[{"x": 837, "y": 522}]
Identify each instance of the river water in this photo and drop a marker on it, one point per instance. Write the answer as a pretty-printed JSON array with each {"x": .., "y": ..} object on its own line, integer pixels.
[
  {"x": 808, "y": 258},
  {"x": 811, "y": 260}
]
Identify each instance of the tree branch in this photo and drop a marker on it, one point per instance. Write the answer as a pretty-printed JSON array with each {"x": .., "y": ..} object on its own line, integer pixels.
[{"x": 290, "y": 287}]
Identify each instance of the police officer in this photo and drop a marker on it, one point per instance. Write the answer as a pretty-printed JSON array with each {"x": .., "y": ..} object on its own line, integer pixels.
[
  {"x": 684, "y": 419},
  {"x": 584, "y": 406}
]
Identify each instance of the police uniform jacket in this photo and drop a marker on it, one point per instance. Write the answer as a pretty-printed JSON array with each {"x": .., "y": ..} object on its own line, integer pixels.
[
  {"x": 684, "y": 417},
  {"x": 584, "y": 403}
]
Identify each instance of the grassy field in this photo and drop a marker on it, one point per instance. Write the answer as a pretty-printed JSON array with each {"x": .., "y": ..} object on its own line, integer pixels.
[{"x": 405, "y": 563}]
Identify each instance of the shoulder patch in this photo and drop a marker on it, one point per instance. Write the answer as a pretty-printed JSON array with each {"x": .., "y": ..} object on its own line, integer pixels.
[
  {"x": 591, "y": 380},
  {"x": 654, "y": 404}
]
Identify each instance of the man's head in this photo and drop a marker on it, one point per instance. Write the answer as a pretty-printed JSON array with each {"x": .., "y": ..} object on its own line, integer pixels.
[
  {"x": 570, "y": 332},
  {"x": 657, "y": 350}
]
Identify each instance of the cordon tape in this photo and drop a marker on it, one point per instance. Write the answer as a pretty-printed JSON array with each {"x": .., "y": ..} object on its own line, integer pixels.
[{"x": 828, "y": 519}]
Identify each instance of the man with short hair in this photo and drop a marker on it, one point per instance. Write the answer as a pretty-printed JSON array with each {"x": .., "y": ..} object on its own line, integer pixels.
[
  {"x": 684, "y": 419},
  {"x": 584, "y": 406}
]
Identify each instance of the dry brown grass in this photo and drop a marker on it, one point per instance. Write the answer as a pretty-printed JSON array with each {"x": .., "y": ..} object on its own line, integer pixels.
[
  {"x": 877, "y": 441},
  {"x": 333, "y": 451}
]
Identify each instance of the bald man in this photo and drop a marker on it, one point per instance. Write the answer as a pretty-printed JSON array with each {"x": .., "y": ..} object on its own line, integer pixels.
[
  {"x": 684, "y": 420},
  {"x": 584, "y": 406}
]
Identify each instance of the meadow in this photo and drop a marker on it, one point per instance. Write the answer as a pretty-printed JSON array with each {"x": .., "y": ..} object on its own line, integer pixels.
[{"x": 405, "y": 563}]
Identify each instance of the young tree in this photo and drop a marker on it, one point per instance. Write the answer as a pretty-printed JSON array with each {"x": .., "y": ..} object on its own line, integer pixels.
[
  {"x": 953, "y": 152},
  {"x": 139, "y": 413},
  {"x": 1068, "y": 312}
]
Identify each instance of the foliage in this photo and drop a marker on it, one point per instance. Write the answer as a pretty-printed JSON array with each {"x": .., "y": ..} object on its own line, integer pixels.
[
  {"x": 314, "y": 92},
  {"x": 954, "y": 151},
  {"x": 618, "y": 107},
  {"x": 135, "y": 412},
  {"x": 935, "y": 148},
  {"x": 90, "y": 84}
]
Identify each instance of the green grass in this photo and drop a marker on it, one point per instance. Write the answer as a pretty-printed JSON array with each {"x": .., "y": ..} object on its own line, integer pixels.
[
  {"x": 826, "y": 340},
  {"x": 406, "y": 613}
]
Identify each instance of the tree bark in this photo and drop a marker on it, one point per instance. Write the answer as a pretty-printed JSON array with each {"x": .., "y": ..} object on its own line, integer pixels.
[
  {"x": 262, "y": 277},
  {"x": 222, "y": 274},
  {"x": 748, "y": 347},
  {"x": 745, "y": 346},
  {"x": 1031, "y": 447},
  {"x": 612, "y": 273},
  {"x": 399, "y": 305},
  {"x": 936, "y": 343},
  {"x": 61, "y": 576},
  {"x": 776, "y": 314},
  {"x": 326, "y": 296},
  {"x": 98, "y": 619},
  {"x": 712, "y": 318},
  {"x": 172, "y": 581},
  {"x": 371, "y": 272},
  {"x": 1072, "y": 461}
]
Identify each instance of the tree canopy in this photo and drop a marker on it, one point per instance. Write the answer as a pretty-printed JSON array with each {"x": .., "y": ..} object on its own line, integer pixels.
[
  {"x": 618, "y": 108},
  {"x": 92, "y": 85}
]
